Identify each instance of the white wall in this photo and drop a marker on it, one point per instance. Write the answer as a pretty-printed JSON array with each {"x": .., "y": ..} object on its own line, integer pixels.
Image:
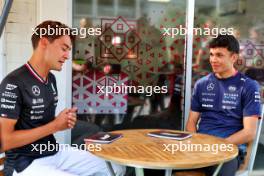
[
  {"x": 60, "y": 10},
  {"x": 17, "y": 44}
]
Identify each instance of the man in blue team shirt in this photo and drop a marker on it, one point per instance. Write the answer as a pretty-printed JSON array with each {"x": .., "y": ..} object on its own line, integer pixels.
[{"x": 226, "y": 103}]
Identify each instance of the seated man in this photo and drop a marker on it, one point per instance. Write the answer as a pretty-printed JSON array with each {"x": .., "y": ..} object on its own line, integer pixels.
[
  {"x": 226, "y": 103},
  {"x": 28, "y": 101}
]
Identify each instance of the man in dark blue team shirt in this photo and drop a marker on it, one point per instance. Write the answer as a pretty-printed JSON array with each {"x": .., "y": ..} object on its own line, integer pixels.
[
  {"x": 226, "y": 103},
  {"x": 28, "y": 101}
]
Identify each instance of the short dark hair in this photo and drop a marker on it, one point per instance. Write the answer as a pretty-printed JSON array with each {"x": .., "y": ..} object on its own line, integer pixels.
[
  {"x": 225, "y": 41},
  {"x": 53, "y": 25}
]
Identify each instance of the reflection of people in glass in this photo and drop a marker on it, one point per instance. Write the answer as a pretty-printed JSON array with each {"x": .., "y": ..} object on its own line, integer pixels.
[
  {"x": 255, "y": 69},
  {"x": 255, "y": 34},
  {"x": 154, "y": 64},
  {"x": 201, "y": 64},
  {"x": 226, "y": 103},
  {"x": 252, "y": 53},
  {"x": 172, "y": 115},
  {"x": 83, "y": 56},
  {"x": 256, "y": 38}
]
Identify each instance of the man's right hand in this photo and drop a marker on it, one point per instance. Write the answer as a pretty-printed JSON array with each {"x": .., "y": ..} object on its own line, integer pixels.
[
  {"x": 12, "y": 138},
  {"x": 66, "y": 119}
]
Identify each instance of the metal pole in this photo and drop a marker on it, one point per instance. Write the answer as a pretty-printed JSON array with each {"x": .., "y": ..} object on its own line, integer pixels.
[
  {"x": 110, "y": 168},
  {"x": 188, "y": 59},
  {"x": 168, "y": 172},
  {"x": 139, "y": 171},
  {"x": 218, "y": 169},
  {"x": 3, "y": 18}
]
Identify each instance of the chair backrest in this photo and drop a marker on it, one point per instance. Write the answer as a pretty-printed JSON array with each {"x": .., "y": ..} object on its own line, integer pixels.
[
  {"x": 252, "y": 149},
  {"x": 2, "y": 155}
]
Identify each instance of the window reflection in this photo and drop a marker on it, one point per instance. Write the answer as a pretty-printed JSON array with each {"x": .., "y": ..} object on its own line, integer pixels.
[{"x": 131, "y": 51}]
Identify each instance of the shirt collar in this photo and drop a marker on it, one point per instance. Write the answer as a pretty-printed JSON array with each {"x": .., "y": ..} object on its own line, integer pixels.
[{"x": 35, "y": 74}]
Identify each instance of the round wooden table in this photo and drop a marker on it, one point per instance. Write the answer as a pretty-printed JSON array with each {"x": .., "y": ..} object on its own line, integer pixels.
[{"x": 139, "y": 150}]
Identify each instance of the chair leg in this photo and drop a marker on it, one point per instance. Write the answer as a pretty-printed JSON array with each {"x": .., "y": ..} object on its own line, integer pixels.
[
  {"x": 139, "y": 171},
  {"x": 218, "y": 169}
]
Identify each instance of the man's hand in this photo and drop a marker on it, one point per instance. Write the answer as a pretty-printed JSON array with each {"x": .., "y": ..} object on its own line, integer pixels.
[
  {"x": 66, "y": 119},
  {"x": 72, "y": 117},
  {"x": 192, "y": 121},
  {"x": 248, "y": 133},
  {"x": 12, "y": 138}
]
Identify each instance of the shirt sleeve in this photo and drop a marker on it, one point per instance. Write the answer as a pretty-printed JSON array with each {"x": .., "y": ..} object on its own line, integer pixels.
[
  {"x": 195, "y": 103},
  {"x": 251, "y": 99},
  {"x": 10, "y": 97}
]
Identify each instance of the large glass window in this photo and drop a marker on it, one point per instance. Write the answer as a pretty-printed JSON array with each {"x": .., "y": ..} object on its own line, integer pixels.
[
  {"x": 131, "y": 50},
  {"x": 139, "y": 46}
]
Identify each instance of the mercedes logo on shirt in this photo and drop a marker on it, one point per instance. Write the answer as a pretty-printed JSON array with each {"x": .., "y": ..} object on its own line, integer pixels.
[
  {"x": 232, "y": 88},
  {"x": 210, "y": 86},
  {"x": 35, "y": 90}
]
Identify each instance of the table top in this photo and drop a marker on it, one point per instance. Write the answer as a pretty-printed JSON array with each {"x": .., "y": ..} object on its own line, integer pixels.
[{"x": 137, "y": 149}]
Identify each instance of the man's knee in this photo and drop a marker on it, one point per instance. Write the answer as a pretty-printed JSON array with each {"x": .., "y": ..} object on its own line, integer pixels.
[{"x": 228, "y": 169}]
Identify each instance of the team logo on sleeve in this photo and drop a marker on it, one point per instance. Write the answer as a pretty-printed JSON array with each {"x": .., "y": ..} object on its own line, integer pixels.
[
  {"x": 35, "y": 90},
  {"x": 210, "y": 86}
]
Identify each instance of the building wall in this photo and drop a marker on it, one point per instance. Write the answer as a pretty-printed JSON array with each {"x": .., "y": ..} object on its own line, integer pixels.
[
  {"x": 21, "y": 19},
  {"x": 2, "y": 54}
]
